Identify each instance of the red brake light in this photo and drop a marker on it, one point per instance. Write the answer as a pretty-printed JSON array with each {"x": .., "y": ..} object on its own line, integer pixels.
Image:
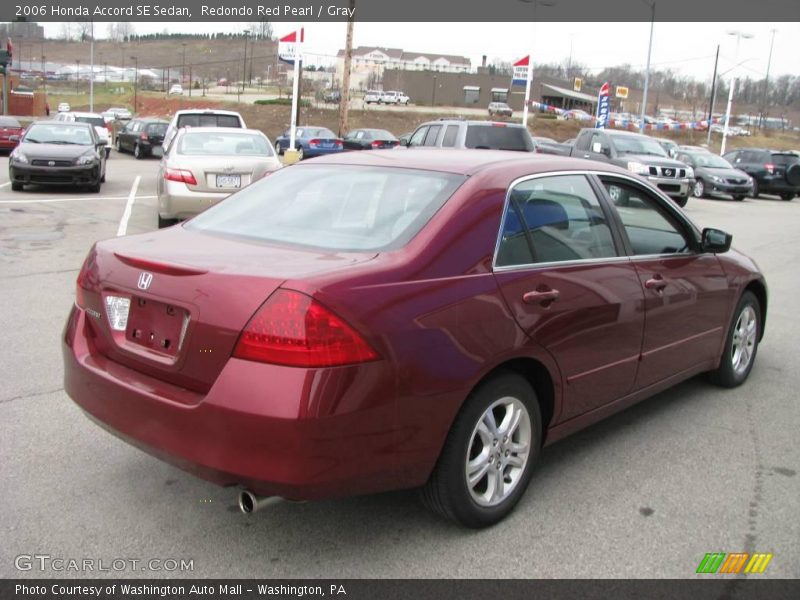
[
  {"x": 376, "y": 144},
  {"x": 498, "y": 124},
  {"x": 770, "y": 168},
  {"x": 313, "y": 142},
  {"x": 295, "y": 330},
  {"x": 337, "y": 143},
  {"x": 182, "y": 175}
]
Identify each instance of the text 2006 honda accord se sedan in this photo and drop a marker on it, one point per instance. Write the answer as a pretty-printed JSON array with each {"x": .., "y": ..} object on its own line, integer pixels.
[{"x": 383, "y": 320}]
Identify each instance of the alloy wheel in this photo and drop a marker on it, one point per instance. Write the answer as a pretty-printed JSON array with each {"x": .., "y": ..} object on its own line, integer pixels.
[{"x": 744, "y": 339}]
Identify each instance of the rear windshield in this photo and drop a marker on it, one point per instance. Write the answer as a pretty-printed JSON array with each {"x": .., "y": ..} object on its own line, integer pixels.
[
  {"x": 96, "y": 121},
  {"x": 785, "y": 159},
  {"x": 157, "y": 128},
  {"x": 498, "y": 138},
  {"x": 209, "y": 121},
  {"x": 9, "y": 122},
  {"x": 224, "y": 144},
  {"x": 332, "y": 207}
]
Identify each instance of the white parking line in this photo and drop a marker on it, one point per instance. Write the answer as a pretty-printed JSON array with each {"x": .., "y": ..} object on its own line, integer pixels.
[
  {"x": 87, "y": 199},
  {"x": 2, "y": 185},
  {"x": 123, "y": 224}
]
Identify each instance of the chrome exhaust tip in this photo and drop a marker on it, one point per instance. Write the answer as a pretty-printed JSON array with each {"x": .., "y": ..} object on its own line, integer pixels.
[{"x": 250, "y": 502}]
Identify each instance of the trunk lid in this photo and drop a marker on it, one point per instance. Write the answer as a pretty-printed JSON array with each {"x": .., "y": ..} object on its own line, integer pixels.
[
  {"x": 189, "y": 296},
  {"x": 225, "y": 173}
]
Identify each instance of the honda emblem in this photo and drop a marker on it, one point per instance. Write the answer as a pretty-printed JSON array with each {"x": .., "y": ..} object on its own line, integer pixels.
[{"x": 145, "y": 279}]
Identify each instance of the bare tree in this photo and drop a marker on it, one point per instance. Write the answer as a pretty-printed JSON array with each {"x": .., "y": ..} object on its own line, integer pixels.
[
  {"x": 84, "y": 30},
  {"x": 262, "y": 30},
  {"x": 66, "y": 31}
]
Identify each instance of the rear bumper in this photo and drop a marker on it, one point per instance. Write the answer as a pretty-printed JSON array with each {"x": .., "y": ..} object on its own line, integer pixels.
[
  {"x": 178, "y": 202},
  {"x": 309, "y": 152},
  {"x": 296, "y": 433},
  {"x": 777, "y": 185}
]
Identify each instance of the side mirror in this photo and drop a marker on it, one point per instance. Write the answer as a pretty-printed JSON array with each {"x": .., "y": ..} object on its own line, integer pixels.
[{"x": 716, "y": 240}]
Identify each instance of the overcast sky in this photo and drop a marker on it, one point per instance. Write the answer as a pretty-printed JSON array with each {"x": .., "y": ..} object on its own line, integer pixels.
[{"x": 684, "y": 47}]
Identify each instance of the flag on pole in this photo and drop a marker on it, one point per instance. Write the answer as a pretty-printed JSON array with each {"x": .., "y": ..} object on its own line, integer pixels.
[
  {"x": 602, "y": 107},
  {"x": 520, "y": 73},
  {"x": 289, "y": 46}
]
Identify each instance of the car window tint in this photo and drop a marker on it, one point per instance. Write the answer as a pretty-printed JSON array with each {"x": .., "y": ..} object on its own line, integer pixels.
[
  {"x": 647, "y": 224},
  {"x": 450, "y": 134},
  {"x": 554, "y": 219},
  {"x": 419, "y": 135},
  {"x": 340, "y": 208},
  {"x": 498, "y": 137},
  {"x": 157, "y": 128},
  {"x": 433, "y": 133}
]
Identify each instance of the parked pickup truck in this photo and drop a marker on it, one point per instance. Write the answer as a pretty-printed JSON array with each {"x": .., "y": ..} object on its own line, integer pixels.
[{"x": 639, "y": 154}]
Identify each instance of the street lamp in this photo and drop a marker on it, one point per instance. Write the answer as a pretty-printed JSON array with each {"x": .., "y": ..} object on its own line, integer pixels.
[
  {"x": 647, "y": 69},
  {"x": 762, "y": 121},
  {"x": 183, "y": 63},
  {"x": 739, "y": 35},
  {"x": 135, "y": 82},
  {"x": 77, "y": 74},
  {"x": 535, "y": 4}
]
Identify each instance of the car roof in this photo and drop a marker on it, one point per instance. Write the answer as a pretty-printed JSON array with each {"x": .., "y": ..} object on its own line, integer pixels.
[
  {"x": 208, "y": 111},
  {"x": 463, "y": 161},
  {"x": 621, "y": 132},
  {"x": 54, "y": 123},
  {"x": 79, "y": 113},
  {"x": 185, "y": 130},
  {"x": 153, "y": 120},
  {"x": 472, "y": 123}
]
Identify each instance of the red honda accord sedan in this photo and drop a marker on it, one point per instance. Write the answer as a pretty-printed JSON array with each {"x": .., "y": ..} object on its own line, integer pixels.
[{"x": 382, "y": 320}]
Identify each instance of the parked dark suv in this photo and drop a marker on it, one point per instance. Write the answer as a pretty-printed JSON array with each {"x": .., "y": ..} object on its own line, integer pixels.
[
  {"x": 773, "y": 171},
  {"x": 460, "y": 133},
  {"x": 141, "y": 136}
]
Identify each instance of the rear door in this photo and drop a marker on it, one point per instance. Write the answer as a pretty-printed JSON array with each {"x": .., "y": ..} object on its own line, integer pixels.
[
  {"x": 686, "y": 294},
  {"x": 563, "y": 274}
]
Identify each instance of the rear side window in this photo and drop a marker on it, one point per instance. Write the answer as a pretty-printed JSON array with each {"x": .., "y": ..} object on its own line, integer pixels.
[
  {"x": 554, "y": 219},
  {"x": 450, "y": 134},
  {"x": 433, "y": 133},
  {"x": 785, "y": 159},
  {"x": 96, "y": 121},
  {"x": 498, "y": 138},
  {"x": 332, "y": 207}
]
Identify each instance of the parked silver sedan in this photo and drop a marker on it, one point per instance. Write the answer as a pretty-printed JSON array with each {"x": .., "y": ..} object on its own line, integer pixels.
[{"x": 203, "y": 165}]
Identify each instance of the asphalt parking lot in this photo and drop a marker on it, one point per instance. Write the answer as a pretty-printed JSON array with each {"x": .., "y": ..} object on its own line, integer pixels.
[{"x": 646, "y": 493}]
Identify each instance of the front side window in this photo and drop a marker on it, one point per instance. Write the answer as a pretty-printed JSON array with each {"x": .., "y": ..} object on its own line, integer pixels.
[
  {"x": 649, "y": 227},
  {"x": 554, "y": 219},
  {"x": 418, "y": 137}
]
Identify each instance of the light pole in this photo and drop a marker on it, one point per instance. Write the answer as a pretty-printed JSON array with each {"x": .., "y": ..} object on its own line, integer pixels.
[
  {"x": 529, "y": 77},
  {"x": 91, "y": 69},
  {"x": 762, "y": 120},
  {"x": 652, "y": 6},
  {"x": 739, "y": 35},
  {"x": 135, "y": 82},
  {"x": 183, "y": 63},
  {"x": 77, "y": 74}
]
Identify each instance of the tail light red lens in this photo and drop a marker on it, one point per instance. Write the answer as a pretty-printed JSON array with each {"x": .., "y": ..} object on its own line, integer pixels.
[
  {"x": 376, "y": 144},
  {"x": 337, "y": 143},
  {"x": 770, "y": 168},
  {"x": 295, "y": 330},
  {"x": 313, "y": 142},
  {"x": 182, "y": 175}
]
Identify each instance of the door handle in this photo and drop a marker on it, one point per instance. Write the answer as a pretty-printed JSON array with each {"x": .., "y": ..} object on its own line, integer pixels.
[
  {"x": 540, "y": 297},
  {"x": 586, "y": 156},
  {"x": 656, "y": 283}
]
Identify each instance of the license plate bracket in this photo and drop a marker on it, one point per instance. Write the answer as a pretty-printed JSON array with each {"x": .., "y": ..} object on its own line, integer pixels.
[{"x": 156, "y": 325}]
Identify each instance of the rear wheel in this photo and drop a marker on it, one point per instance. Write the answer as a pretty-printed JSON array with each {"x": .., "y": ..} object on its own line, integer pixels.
[
  {"x": 137, "y": 152},
  {"x": 739, "y": 198},
  {"x": 787, "y": 196},
  {"x": 16, "y": 187},
  {"x": 742, "y": 343},
  {"x": 488, "y": 457},
  {"x": 162, "y": 222},
  {"x": 118, "y": 146},
  {"x": 278, "y": 150},
  {"x": 756, "y": 190},
  {"x": 300, "y": 155},
  {"x": 699, "y": 189}
]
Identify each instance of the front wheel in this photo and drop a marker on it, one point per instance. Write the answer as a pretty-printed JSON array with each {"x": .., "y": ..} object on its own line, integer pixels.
[
  {"x": 488, "y": 457},
  {"x": 681, "y": 200},
  {"x": 741, "y": 345},
  {"x": 699, "y": 189},
  {"x": 756, "y": 190},
  {"x": 787, "y": 196},
  {"x": 16, "y": 187},
  {"x": 738, "y": 198}
]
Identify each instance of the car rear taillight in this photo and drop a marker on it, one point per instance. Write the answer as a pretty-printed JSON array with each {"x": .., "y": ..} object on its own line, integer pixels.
[
  {"x": 376, "y": 144},
  {"x": 314, "y": 142},
  {"x": 337, "y": 143},
  {"x": 770, "y": 168},
  {"x": 181, "y": 175},
  {"x": 498, "y": 124},
  {"x": 295, "y": 330}
]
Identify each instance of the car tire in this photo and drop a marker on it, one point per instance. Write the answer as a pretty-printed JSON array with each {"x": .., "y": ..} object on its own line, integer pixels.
[
  {"x": 787, "y": 196},
  {"x": 103, "y": 177},
  {"x": 118, "y": 146},
  {"x": 16, "y": 187},
  {"x": 300, "y": 153},
  {"x": 476, "y": 444},
  {"x": 681, "y": 200},
  {"x": 699, "y": 189},
  {"x": 738, "y": 198},
  {"x": 756, "y": 190},
  {"x": 278, "y": 150},
  {"x": 162, "y": 222},
  {"x": 793, "y": 174},
  {"x": 741, "y": 344},
  {"x": 95, "y": 187},
  {"x": 137, "y": 152},
  {"x": 108, "y": 152}
]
